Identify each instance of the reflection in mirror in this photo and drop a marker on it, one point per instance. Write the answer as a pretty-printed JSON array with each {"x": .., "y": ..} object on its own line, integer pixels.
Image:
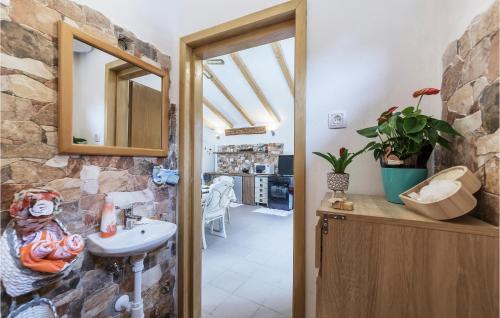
[{"x": 115, "y": 103}]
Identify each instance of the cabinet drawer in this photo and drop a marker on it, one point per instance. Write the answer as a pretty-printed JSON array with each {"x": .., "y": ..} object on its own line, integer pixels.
[
  {"x": 261, "y": 180},
  {"x": 261, "y": 200},
  {"x": 261, "y": 184},
  {"x": 261, "y": 188},
  {"x": 261, "y": 195}
]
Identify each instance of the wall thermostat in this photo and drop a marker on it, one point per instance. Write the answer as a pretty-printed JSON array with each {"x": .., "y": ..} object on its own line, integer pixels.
[{"x": 336, "y": 120}]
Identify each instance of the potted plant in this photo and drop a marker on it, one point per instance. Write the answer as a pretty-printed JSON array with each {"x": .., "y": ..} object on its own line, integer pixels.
[
  {"x": 338, "y": 180},
  {"x": 405, "y": 141}
]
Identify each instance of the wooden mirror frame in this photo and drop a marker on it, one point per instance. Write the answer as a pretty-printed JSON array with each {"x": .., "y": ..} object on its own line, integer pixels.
[{"x": 65, "y": 102}]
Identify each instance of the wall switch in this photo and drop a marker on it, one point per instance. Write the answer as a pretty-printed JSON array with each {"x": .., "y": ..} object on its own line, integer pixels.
[{"x": 336, "y": 120}]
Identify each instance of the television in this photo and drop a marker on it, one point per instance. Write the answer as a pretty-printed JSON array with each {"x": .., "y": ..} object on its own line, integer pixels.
[{"x": 285, "y": 165}]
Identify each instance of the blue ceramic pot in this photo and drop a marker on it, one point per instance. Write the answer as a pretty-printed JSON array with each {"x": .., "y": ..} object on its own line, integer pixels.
[{"x": 398, "y": 180}]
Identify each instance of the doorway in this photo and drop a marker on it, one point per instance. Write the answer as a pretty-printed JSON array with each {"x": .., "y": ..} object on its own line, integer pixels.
[
  {"x": 271, "y": 25},
  {"x": 248, "y": 182}
]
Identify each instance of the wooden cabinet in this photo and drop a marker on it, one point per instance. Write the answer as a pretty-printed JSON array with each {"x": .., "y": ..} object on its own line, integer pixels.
[
  {"x": 384, "y": 261},
  {"x": 248, "y": 190}
]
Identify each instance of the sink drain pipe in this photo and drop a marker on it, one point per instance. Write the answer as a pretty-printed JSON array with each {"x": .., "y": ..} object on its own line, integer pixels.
[{"x": 136, "y": 307}]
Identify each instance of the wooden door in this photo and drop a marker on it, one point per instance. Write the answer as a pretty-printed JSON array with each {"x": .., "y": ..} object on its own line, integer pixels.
[
  {"x": 375, "y": 270},
  {"x": 249, "y": 190},
  {"x": 145, "y": 116}
]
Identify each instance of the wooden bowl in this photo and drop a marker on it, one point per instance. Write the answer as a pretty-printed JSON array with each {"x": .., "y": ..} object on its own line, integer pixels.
[
  {"x": 454, "y": 205},
  {"x": 462, "y": 174}
]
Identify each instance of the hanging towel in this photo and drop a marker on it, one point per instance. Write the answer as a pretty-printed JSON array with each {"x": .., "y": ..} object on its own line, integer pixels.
[
  {"x": 67, "y": 248},
  {"x": 165, "y": 176},
  {"x": 43, "y": 251}
]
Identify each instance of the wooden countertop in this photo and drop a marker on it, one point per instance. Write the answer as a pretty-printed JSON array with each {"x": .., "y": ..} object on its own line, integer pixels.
[
  {"x": 239, "y": 174},
  {"x": 377, "y": 210}
]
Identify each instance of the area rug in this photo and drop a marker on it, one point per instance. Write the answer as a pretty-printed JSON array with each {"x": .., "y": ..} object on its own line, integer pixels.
[{"x": 276, "y": 212}]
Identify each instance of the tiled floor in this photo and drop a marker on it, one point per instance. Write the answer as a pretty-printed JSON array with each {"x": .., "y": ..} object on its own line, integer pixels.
[{"x": 249, "y": 274}]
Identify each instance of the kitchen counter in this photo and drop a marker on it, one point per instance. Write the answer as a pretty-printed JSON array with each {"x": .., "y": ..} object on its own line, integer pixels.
[{"x": 240, "y": 174}]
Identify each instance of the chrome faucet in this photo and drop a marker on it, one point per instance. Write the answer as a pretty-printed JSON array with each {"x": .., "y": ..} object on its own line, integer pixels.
[{"x": 129, "y": 218}]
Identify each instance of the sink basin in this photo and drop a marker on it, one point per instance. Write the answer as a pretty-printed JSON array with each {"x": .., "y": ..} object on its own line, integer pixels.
[{"x": 138, "y": 240}]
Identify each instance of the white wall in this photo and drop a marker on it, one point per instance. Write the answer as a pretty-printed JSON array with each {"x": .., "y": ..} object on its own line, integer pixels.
[
  {"x": 210, "y": 143},
  {"x": 88, "y": 95},
  {"x": 363, "y": 56}
]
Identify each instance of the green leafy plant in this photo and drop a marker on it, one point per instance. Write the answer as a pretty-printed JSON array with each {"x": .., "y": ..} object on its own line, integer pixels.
[
  {"x": 340, "y": 163},
  {"x": 409, "y": 135},
  {"x": 78, "y": 140}
]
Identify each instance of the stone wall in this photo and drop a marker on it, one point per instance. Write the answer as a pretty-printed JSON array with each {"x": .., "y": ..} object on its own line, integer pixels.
[
  {"x": 470, "y": 93},
  {"x": 30, "y": 157},
  {"x": 230, "y": 158}
]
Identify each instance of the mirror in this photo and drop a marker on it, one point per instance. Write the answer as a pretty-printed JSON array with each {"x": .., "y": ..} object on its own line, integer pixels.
[{"x": 118, "y": 103}]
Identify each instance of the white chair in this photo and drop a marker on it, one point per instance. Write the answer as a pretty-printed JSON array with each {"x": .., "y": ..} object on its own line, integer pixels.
[
  {"x": 216, "y": 207},
  {"x": 229, "y": 181}
]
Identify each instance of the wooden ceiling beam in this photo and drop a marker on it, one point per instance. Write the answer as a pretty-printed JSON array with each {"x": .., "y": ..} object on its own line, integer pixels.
[
  {"x": 228, "y": 95},
  {"x": 255, "y": 87},
  {"x": 280, "y": 57},
  {"x": 217, "y": 112}
]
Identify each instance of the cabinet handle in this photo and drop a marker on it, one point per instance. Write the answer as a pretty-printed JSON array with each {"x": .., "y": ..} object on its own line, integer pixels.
[{"x": 319, "y": 245}]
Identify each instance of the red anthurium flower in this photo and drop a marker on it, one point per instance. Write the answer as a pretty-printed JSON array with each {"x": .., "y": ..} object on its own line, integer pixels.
[
  {"x": 342, "y": 151},
  {"x": 426, "y": 91},
  {"x": 391, "y": 109},
  {"x": 386, "y": 115}
]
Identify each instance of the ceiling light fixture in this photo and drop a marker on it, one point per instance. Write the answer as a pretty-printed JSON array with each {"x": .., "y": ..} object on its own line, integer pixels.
[{"x": 216, "y": 62}]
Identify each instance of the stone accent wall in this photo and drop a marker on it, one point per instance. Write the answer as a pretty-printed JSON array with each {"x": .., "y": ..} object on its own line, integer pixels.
[
  {"x": 30, "y": 157},
  {"x": 470, "y": 93},
  {"x": 231, "y": 157}
]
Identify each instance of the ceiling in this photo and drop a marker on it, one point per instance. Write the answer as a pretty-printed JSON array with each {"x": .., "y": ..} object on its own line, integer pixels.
[{"x": 265, "y": 69}]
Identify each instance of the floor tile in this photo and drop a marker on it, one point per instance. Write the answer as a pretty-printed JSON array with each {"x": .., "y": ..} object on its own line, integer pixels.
[
  {"x": 235, "y": 307},
  {"x": 229, "y": 281},
  {"x": 264, "y": 312},
  {"x": 212, "y": 297},
  {"x": 255, "y": 291},
  {"x": 251, "y": 268},
  {"x": 280, "y": 300}
]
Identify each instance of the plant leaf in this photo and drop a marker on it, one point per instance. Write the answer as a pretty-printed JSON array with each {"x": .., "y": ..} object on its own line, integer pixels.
[
  {"x": 392, "y": 122},
  {"x": 324, "y": 156},
  {"x": 408, "y": 111},
  {"x": 432, "y": 135},
  {"x": 418, "y": 138},
  {"x": 413, "y": 125},
  {"x": 385, "y": 128},
  {"x": 444, "y": 126},
  {"x": 444, "y": 142},
  {"x": 369, "y": 132},
  {"x": 335, "y": 161}
]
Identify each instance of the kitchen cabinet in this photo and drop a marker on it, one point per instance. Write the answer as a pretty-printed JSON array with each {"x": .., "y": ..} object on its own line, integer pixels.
[
  {"x": 249, "y": 190},
  {"x": 261, "y": 189},
  {"x": 382, "y": 260}
]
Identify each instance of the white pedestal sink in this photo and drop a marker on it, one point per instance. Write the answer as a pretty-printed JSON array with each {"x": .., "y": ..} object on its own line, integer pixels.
[{"x": 136, "y": 242}]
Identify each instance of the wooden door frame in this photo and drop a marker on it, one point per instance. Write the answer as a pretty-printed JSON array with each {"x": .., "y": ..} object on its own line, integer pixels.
[{"x": 266, "y": 26}]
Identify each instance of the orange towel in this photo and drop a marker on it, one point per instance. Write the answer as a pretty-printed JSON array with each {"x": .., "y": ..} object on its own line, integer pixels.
[
  {"x": 47, "y": 254},
  {"x": 30, "y": 257}
]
